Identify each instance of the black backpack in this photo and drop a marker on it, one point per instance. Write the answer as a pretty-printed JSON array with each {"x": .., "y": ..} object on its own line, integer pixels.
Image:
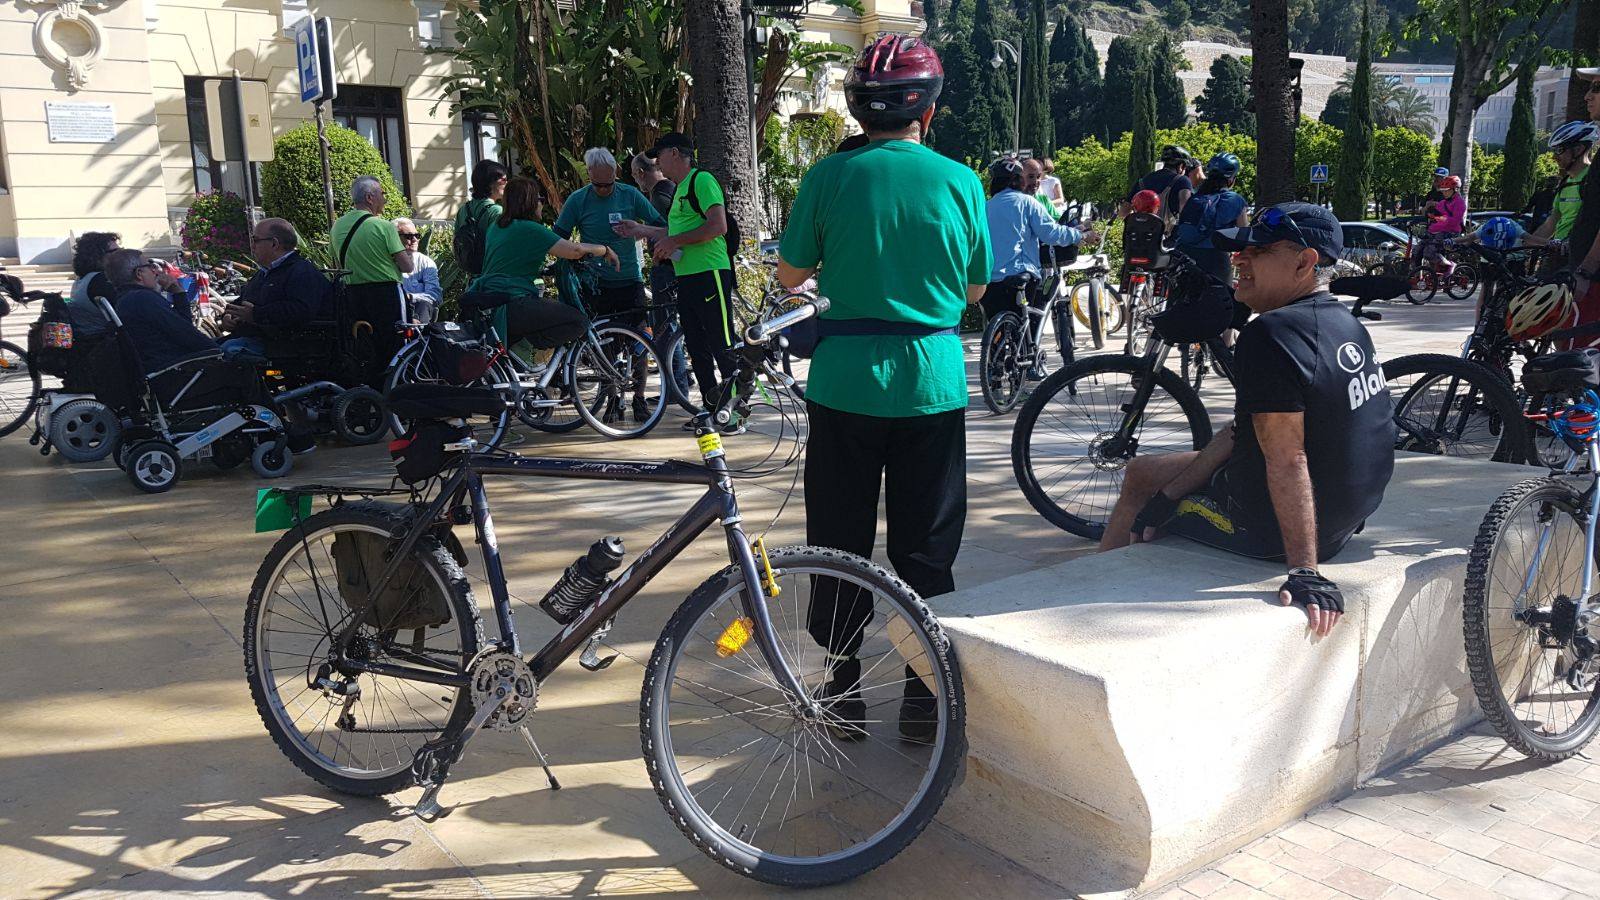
[
  {"x": 468, "y": 243},
  {"x": 731, "y": 236}
]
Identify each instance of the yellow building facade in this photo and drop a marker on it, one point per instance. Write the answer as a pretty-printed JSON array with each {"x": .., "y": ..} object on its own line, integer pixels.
[{"x": 103, "y": 107}]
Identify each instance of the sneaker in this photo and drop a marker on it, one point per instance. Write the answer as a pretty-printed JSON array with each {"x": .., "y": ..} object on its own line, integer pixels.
[
  {"x": 919, "y": 712},
  {"x": 844, "y": 711},
  {"x": 732, "y": 429},
  {"x": 642, "y": 409}
]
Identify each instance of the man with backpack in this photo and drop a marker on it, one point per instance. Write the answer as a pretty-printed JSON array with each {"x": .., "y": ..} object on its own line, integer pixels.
[
  {"x": 1170, "y": 184},
  {"x": 700, "y": 239}
]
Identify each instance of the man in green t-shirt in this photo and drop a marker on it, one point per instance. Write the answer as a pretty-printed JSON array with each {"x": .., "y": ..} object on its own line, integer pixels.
[
  {"x": 593, "y": 210},
  {"x": 368, "y": 248},
  {"x": 899, "y": 238},
  {"x": 693, "y": 240},
  {"x": 1572, "y": 146}
]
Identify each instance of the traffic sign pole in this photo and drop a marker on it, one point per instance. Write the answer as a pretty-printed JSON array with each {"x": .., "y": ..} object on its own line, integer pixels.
[
  {"x": 314, "y": 56},
  {"x": 327, "y": 171}
]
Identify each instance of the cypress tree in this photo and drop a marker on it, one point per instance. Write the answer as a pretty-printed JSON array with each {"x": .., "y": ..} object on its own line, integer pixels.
[
  {"x": 1226, "y": 99},
  {"x": 930, "y": 15},
  {"x": 1142, "y": 152},
  {"x": 1125, "y": 67},
  {"x": 1075, "y": 83},
  {"x": 993, "y": 86},
  {"x": 1522, "y": 152},
  {"x": 1355, "y": 165},
  {"x": 1172, "y": 110},
  {"x": 962, "y": 128},
  {"x": 1038, "y": 129}
]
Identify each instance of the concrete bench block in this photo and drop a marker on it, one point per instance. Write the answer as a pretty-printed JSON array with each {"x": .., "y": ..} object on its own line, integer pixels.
[{"x": 1137, "y": 714}]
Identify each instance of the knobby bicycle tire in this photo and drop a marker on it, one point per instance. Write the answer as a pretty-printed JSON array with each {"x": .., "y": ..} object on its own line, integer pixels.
[
  {"x": 1483, "y": 387},
  {"x": 20, "y": 357},
  {"x": 1078, "y": 520},
  {"x": 1561, "y": 499},
  {"x": 374, "y": 518},
  {"x": 699, "y": 824}
]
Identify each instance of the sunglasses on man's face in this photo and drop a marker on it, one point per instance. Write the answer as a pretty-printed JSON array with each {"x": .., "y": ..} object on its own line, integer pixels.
[
  {"x": 409, "y": 235},
  {"x": 1594, "y": 87}
]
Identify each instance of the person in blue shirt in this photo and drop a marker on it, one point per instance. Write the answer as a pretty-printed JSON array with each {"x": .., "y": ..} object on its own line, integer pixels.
[
  {"x": 1215, "y": 205},
  {"x": 161, "y": 334},
  {"x": 288, "y": 291},
  {"x": 593, "y": 209},
  {"x": 424, "y": 293},
  {"x": 1018, "y": 224}
]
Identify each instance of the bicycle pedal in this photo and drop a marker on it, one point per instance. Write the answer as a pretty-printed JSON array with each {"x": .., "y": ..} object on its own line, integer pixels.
[{"x": 428, "y": 808}]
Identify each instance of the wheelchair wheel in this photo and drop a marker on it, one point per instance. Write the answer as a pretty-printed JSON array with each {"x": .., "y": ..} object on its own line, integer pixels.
[
  {"x": 153, "y": 466},
  {"x": 270, "y": 460},
  {"x": 360, "y": 417},
  {"x": 84, "y": 430}
]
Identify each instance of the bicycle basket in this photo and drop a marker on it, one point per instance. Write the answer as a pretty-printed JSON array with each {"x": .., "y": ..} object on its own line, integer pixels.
[
  {"x": 1568, "y": 372},
  {"x": 420, "y": 453},
  {"x": 411, "y": 599}
]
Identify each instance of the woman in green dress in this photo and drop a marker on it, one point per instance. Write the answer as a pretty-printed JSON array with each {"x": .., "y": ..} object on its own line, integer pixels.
[{"x": 514, "y": 254}]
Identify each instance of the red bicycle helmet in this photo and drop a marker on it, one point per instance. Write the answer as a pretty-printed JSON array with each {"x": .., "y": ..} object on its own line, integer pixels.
[
  {"x": 1147, "y": 202},
  {"x": 894, "y": 81},
  {"x": 1450, "y": 181}
]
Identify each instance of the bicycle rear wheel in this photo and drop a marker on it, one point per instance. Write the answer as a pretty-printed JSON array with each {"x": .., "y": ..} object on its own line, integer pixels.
[
  {"x": 1454, "y": 407},
  {"x": 1534, "y": 675},
  {"x": 363, "y": 741},
  {"x": 1462, "y": 282},
  {"x": 1097, "y": 320},
  {"x": 1062, "y": 448},
  {"x": 1000, "y": 374},
  {"x": 765, "y": 786},
  {"x": 20, "y": 385},
  {"x": 1421, "y": 285}
]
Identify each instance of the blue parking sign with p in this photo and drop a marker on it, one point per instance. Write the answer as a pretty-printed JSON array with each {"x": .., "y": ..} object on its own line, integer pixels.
[{"x": 305, "y": 47}]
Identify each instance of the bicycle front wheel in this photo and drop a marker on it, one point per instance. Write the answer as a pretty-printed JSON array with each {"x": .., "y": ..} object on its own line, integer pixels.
[
  {"x": 1462, "y": 282},
  {"x": 1067, "y": 450},
  {"x": 1532, "y": 668},
  {"x": 1454, "y": 407},
  {"x": 999, "y": 371},
  {"x": 20, "y": 385},
  {"x": 778, "y": 789},
  {"x": 616, "y": 382}
]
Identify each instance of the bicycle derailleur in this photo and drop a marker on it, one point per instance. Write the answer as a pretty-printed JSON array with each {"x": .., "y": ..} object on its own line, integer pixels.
[
  {"x": 504, "y": 692},
  {"x": 1565, "y": 627}
]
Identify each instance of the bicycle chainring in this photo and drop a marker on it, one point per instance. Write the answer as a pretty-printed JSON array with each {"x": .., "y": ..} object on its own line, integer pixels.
[
  {"x": 529, "y": 409},
  {"x": 503, "y": 680}
]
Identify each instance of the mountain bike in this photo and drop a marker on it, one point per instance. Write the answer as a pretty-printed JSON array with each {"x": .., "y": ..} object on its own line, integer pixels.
[
  {"x": 1530, "y": 614},
  {"x": 761, "y": 756}
]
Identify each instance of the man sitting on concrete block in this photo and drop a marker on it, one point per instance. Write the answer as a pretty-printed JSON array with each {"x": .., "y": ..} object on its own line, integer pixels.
[{"x": 1311, "y": 447}]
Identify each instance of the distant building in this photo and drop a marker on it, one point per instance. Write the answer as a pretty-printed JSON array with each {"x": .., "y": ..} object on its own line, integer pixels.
[{"x": 1493, "y": 120}]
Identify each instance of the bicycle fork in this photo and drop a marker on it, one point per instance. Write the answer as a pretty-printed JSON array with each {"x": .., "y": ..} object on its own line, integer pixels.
[{"x": 1582, "y": 615}]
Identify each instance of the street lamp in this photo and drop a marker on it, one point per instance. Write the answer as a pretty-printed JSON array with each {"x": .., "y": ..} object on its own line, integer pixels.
[{"x": 996, "y": 61}]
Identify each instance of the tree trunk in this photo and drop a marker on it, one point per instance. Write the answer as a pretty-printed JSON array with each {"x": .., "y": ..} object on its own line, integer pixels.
[
  {"x": 1275, "y": 124},
  {"x": 778, "y": 50},
  {"x": 1586, "y": 48},
  {"x": 721, "y": 89}
]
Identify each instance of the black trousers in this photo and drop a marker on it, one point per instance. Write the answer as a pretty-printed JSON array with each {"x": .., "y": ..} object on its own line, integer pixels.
[
  {"x": 921, "y": 461},
  {"x": 545, "y": 324},
  {"x": 1001, "y": 295},
  {"x": 621, "y": 303},
  {"x": 705, "y": 310}
]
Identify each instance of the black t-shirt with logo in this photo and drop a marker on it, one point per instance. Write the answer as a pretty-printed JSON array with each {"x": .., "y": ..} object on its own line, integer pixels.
[{"x": 1313, "y": 357}]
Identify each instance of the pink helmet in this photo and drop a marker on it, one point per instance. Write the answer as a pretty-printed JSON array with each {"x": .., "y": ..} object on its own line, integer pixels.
[{"x": 894, "y": 81}]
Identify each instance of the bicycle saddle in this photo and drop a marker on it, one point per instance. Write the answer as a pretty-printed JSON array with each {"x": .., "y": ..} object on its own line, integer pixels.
[{"x": 443, "y": 401}]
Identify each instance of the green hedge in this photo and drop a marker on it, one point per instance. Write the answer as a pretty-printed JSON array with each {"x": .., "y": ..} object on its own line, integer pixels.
[{"x": 291, "y": 184}]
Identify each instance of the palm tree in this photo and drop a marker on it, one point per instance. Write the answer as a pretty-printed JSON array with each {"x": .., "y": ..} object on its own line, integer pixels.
[
  {"x": 1273, "y": 82},
  {"x": 720, "y": 85},
  {"x": 1405, "y": 107}
]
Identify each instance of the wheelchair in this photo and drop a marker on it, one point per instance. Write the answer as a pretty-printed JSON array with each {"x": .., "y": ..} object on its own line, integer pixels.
[
  {"x": 321, "y": 375},
  {"x": 205, "y": 407}
]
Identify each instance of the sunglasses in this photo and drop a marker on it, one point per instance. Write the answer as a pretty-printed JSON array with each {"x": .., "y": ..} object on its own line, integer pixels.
[
  {"x": 409, "y": 235},
  {"x": 1594, "y": 87},
  {"x": 1278, "y": 220},
  {"x": 257, "y": 240}
]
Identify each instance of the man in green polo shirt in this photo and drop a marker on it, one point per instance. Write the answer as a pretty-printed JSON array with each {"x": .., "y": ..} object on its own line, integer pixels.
[
  {"x": 693, "y": 241},
  {"x": 594, "y": 210},
  {"x": 368, "y": 248},
  {"x": 900, "y": 239}
]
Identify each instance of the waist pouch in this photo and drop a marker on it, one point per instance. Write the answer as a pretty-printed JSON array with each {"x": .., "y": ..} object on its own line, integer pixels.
[{"x": 804, "y": 337}]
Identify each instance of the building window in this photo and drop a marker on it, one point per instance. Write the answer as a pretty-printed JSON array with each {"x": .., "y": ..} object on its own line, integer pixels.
[
  {"x": 482, "y": 135},
  {"x": 210, "y": 174},
  {"x": 375, "y": 113}
]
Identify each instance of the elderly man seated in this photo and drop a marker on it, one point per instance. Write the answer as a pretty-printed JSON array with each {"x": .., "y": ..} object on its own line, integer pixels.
[
  {"x": 1311, "y": 447},
  {"x": 287, "y": 291},
  {"x": 162, "y": 335}
]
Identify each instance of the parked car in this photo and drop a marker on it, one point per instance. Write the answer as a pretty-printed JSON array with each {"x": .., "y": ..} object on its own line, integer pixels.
[{"x": 1368, "y": 243}]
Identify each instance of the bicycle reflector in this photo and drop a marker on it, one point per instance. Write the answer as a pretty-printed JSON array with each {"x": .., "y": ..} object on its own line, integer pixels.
[{"x": 735, "y": 636}]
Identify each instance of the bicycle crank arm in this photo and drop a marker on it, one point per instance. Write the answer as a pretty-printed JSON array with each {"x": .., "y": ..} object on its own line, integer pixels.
[{"x": 431, "y": 765}]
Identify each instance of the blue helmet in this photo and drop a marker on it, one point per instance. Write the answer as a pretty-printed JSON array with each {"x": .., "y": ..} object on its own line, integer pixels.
[
  {"x": 1441, "y": 172},
  {"x": 1500, "y": 233},
  {"x": 1224, "y": 164},
  {"x": 1578, "y": 132}
]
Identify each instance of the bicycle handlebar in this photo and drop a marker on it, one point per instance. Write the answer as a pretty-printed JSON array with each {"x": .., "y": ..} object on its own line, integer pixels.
[{"x": 761, "y": 332}]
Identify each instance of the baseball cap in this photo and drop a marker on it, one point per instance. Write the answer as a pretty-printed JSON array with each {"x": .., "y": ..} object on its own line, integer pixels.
[
  {"x": 1301, "y": 223},
  {"x": 673, "y": 140}
]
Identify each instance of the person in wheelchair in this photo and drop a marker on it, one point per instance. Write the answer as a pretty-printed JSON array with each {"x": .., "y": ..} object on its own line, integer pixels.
[
  {"x": 162, "y": 335},
  {"x": 288, "y": 291},
  {"x": 513, "y": 258},
  {"x": 1018, "y": 225}
]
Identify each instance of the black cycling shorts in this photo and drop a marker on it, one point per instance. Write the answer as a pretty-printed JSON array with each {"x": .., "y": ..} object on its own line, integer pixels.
[{"x": 1215, "y": 516}]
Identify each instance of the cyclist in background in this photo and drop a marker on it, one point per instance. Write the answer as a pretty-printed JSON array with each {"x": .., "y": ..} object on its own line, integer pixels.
[
  {"x": 1572, "y": 145},
  {"x": 1168, "y": 182},
  {"x": 1017, "y": 226},
  {"x": 1447, "y": 218},
  {"x": 1215, "y": 205},
  {"x": 896, "y": 233}
]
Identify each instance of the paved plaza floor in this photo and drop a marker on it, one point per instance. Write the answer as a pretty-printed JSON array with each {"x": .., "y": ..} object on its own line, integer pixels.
[{"x": 133, "y": 762}]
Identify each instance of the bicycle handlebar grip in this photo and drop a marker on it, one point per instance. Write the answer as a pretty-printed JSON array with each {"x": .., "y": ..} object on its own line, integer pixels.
[{"x": 760, "y": 332}]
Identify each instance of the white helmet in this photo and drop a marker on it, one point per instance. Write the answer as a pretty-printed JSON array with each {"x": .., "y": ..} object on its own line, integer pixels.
[
  {"x": 1539, "y": 310},
  {"x": 1577, "y": 132}
]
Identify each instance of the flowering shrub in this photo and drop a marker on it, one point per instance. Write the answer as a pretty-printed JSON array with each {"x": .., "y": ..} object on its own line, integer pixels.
[{"x": 216, "y": 226}]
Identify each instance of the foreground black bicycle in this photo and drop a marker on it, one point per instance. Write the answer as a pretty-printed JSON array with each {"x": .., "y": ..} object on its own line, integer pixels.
[{"x": 369, "y": 666}]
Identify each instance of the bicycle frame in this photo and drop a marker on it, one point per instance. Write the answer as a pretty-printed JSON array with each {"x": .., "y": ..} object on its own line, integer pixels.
[
  {"x": 717, "y": 504},
  {"x": 1593, "y": 454},
  {"x": 1155, "y": 358}
]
